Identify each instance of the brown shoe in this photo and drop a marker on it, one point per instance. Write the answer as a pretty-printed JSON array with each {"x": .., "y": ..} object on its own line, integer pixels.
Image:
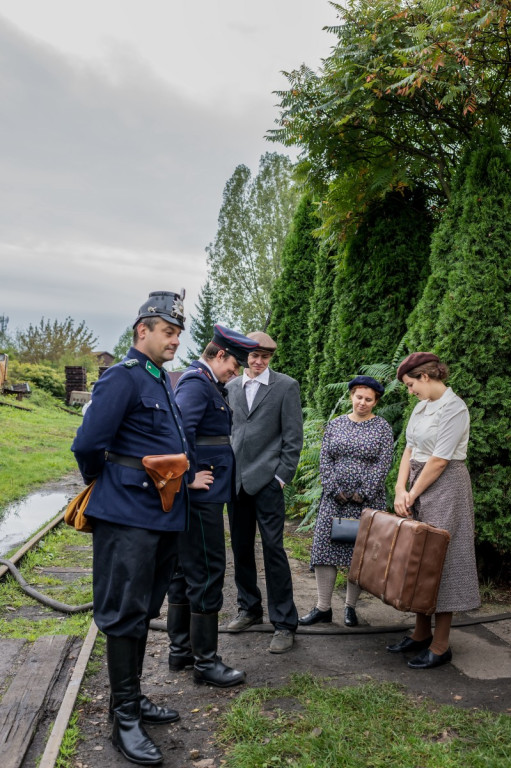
[
  {"x": 243, "y": 620},
  {"x": 282, "y": 641}
]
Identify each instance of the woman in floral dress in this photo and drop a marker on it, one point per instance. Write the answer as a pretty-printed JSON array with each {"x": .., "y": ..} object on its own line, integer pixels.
[{"x": 356, "y": 454}]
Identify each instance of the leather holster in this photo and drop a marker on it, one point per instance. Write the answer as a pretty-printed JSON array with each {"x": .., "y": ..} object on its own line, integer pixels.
[{"x": 166, "y": 471}]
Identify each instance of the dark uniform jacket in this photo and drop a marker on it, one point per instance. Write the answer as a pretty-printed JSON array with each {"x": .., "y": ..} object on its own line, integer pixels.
[
  {"x": 206, "y": 413},
  {"x": 132, "y": 413}
]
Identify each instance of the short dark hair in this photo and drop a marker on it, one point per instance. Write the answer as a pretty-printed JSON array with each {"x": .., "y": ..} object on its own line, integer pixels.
[
  {"x": 150, "y": 322},
  {"x": 212, "y": 351}
]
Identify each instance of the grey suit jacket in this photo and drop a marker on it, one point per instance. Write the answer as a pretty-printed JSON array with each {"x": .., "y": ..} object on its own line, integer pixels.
[{"x": 268, "y": 440}]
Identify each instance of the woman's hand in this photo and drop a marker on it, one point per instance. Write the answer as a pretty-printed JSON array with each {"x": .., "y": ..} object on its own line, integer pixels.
[
  {"x": 202, "y": 480},
  {"x": 402, "y": 503},
  {"x": 341, "y": 498}
]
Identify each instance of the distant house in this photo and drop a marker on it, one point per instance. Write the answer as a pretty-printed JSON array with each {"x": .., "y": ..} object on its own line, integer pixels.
[{"x": 104, "y": 358}]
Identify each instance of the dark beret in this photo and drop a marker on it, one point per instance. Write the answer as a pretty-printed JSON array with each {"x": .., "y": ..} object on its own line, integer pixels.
[
  {"x": 414, "y": 360},
  {"x": 366, "y": 381}
]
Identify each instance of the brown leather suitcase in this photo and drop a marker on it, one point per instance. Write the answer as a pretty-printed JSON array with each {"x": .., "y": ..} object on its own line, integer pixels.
[{"x": 399, "y": 560}]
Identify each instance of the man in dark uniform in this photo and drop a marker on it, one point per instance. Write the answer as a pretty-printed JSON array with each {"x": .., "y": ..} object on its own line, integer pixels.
[
  {"x": 133, "y": 414},
  {"x": 195, "y": 594}
]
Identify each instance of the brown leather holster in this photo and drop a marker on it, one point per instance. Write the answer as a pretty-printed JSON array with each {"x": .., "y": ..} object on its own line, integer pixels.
[{"x": 166, "y": 471}]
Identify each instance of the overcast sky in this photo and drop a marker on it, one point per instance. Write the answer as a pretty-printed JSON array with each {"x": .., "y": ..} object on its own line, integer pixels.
[{"x": 120, "y": 123}]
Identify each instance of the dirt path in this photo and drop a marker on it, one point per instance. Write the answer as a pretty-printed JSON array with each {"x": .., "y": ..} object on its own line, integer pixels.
[{"x": 479, "y": 677}]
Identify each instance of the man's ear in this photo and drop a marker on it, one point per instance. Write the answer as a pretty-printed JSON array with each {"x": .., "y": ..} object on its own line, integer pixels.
[{"x": 141, "y": 330}]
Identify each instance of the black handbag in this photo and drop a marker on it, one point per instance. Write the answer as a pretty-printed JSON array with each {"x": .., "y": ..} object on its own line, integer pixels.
[{"x": 344, "y": 530}]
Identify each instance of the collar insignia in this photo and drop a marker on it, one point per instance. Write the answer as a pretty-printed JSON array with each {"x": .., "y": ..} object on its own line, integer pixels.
[{"x": 153, "y": 369}]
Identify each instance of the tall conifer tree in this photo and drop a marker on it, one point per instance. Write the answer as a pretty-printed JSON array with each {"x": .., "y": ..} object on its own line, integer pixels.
[
  {"x": 381, "y": 274},
  {"x": 292, "y": 292},
  {"x": 464, "y": 317}
]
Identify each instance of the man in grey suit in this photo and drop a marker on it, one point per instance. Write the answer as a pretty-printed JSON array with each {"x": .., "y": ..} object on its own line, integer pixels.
[{"x": 267, "y": 437}]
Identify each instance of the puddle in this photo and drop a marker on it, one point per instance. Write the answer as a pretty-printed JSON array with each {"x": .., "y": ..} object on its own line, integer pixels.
[{"x": 21, "y": 519}]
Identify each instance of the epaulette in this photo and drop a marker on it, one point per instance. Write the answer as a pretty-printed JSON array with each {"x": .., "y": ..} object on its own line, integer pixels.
[{"x": 130, "y": 363}]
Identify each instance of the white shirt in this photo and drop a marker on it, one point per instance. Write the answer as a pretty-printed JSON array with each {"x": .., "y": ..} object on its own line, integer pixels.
[
  {"x": 439, "y": 428},
  {"x": 252, "y": 385}
]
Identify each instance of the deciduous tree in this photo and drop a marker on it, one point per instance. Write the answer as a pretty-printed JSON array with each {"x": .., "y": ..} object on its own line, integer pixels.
[{"x": 245, "y": 258}]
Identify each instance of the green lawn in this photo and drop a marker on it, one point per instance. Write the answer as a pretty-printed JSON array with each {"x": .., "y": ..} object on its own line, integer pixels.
[{"x": 34, "y": 445}]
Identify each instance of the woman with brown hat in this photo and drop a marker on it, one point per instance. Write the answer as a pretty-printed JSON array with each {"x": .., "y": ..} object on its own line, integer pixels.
[{"x": 434, "y": 486}]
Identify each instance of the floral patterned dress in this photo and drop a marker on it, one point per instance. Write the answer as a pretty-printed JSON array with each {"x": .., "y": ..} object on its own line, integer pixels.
[{"x": 355, "y": 458}]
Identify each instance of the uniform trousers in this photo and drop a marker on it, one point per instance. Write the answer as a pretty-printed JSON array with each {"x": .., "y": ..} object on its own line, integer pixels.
[
  {"x": 200, "y": 578},
  {"x": 131, "y": 572},
  {"x": 266, "y": 509}
]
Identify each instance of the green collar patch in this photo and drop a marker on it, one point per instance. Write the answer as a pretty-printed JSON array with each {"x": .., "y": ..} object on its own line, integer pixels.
[{"x": 153, "y": 369}]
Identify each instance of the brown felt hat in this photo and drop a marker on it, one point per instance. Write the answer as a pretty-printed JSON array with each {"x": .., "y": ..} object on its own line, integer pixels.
[
  {"x": 414, "y": 360},
  {"x": 264, "y": 342}
]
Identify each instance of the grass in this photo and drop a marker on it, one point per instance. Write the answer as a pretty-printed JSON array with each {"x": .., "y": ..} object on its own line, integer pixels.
[
  {"x": 62, "y": 547},
  {"x": 34, "y": 446},
  {"x": 310, "y": 723}
]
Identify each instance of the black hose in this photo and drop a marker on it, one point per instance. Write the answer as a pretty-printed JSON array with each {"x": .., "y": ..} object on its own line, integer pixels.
[
  {"x": 363, "y": 629},
  {"x": 44, "y": 599}
]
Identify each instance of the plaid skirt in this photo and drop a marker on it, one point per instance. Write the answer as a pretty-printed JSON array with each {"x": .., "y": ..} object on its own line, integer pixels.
[{"x": 448, "y": 504}]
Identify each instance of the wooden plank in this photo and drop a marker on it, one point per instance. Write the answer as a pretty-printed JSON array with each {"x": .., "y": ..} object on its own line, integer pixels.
[
  {"x": 22, "y": 705},
  {"x": 10, "y": 649},
  {"x": 51, "y": 752}
]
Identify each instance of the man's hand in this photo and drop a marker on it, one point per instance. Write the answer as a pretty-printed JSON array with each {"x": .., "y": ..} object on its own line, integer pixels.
[{"x": 202, "y": 480}]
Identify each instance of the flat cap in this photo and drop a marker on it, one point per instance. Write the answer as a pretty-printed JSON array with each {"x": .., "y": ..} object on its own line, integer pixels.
[
  {"x": 264, "y": 342},
  {"x": 233, "y": 343},
  {"x": 366, "y": 381},
  {"x": 414, "y": 360}
]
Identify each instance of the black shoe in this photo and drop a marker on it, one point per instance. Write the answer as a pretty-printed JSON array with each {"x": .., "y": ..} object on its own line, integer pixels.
[
  {"x": 427, "y": 659},
  {"x": 150, "y": 712},
  {"x": 130, "y": 738},
  {"x": 315, "y": 617},
  {"x": 243, "y": 620},
  {"x": 409, "y": 644},
  {"x": 350, "y": 616}
]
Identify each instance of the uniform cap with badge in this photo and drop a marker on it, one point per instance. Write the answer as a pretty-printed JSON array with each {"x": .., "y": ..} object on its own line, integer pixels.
[
  {"x": 164, "y": 304},
  {"x": 233, "y": 343}
]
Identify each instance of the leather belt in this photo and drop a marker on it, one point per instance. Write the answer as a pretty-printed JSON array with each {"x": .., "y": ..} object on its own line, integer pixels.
[
  {"x": 125, "y": 461},
  {"x": 213, "y": 440}
]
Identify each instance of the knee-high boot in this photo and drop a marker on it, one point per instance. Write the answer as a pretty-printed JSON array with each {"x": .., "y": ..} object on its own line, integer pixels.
[
  {"x": 178, "y": 629},
  {"x": 209, "y": 667},
  {"x": 128, "y": 734},
  {"x": 150, "y": 712}
]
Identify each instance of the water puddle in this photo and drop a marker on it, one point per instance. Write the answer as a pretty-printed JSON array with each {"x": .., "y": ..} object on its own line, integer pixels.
[{"x": 20, "y": 520}]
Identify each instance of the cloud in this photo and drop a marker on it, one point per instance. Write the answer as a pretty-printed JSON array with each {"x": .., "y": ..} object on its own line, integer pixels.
[
  {"x": 112, "y": 183},
  {"x": 109, "y": 154}
]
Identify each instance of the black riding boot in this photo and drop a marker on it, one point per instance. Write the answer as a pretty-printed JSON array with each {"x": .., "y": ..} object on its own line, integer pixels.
[
  {"x": 128, "y": 734},
  {"x": 178, "y": 629},
  {"x": 209, "y": 668},
  {"x": 150, "y": 712}
]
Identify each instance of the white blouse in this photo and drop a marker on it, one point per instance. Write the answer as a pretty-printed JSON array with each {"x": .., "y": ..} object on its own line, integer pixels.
[{"x": 439, "y": 428}]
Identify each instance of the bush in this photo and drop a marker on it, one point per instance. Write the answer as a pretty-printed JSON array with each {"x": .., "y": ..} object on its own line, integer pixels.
[{"x": 38, "y": 374}]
